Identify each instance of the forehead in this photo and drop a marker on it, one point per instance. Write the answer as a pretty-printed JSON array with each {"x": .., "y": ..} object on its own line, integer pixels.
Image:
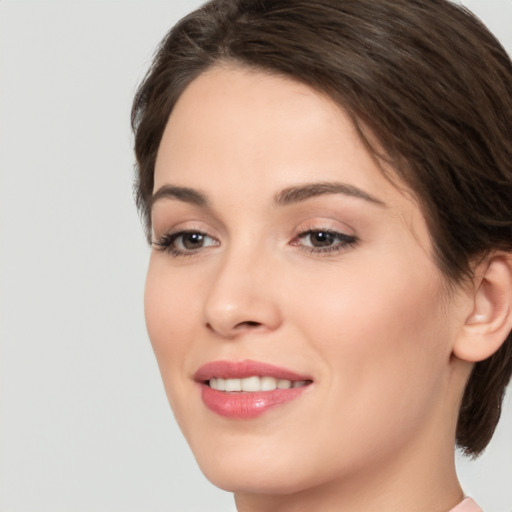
[
  {"x": 246, "y": 120},
  {"x": 246, "y": 133}
]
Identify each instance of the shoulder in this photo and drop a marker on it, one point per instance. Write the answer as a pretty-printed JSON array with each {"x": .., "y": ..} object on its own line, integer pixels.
[{"x": 467, "y": 505}]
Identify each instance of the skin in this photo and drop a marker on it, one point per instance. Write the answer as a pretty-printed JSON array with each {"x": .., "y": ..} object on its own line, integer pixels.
[{"x": 372, "y": 322}]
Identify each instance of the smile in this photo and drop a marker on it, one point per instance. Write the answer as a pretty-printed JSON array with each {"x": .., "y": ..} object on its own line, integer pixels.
[{"x": 247, "y": 389}]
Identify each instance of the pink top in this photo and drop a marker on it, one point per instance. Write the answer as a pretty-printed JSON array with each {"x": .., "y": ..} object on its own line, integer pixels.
[{"x": 467, "y": 505}]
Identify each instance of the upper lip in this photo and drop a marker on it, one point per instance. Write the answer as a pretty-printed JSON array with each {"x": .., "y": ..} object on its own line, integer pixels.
[{"x": 243, "y": 369}]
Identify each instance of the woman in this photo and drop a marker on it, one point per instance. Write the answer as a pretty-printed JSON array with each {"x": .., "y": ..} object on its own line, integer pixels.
[{"x": 326, "y": 188}]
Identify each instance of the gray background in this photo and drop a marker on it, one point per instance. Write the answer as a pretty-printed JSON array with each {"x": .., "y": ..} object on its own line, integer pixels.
[{"x": 84, "y": 423}]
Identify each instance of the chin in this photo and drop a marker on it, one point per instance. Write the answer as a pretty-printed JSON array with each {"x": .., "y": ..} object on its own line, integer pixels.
[
  {"x": 251, "y": 464},
  {"x": 267, "y": 480}
]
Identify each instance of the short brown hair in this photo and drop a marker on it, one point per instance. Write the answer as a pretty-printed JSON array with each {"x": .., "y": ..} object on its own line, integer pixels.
[{"x": 425, "y": 78}]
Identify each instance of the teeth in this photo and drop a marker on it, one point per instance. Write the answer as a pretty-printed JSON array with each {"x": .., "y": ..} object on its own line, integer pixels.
[
  {"x": 268, "y": 383},
  {"x": 233, "y": 385},
  {"x": 253, "y": 384},
  {"x": 284, "y": 384}
]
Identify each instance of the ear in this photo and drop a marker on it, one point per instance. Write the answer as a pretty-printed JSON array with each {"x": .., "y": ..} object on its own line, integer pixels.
[{"x": 490, "y": 321}]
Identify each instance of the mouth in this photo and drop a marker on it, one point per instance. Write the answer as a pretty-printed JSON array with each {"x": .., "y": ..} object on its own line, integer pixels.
[{"x": 248, "y": 389}]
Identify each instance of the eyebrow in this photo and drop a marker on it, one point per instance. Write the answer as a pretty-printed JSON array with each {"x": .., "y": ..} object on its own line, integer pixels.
[
  {"x": 185, "y": 194},
  {"x": 285, "y": 197},
  {"x": 299, "y": 193}
]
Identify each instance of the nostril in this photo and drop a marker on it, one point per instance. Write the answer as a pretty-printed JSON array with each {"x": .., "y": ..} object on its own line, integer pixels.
[
  {"x": 233, "y": 330},
  {"x": 249, "y": 323}
]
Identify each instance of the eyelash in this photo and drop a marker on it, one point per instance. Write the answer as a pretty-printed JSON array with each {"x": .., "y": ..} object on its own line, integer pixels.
[
  {"x": 166, "y": 242},
  {"x": 344, "y": 241}
]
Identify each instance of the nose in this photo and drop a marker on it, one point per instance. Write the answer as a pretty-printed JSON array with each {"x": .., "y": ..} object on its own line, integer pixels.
[{"x": 243, "y": 297}]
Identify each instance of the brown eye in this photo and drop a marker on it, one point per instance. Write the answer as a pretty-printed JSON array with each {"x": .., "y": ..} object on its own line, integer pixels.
[
  {"x": 192, "y": 241},
  {"x": 321, "y": 238},
  {"x": 185, "y": 243}
]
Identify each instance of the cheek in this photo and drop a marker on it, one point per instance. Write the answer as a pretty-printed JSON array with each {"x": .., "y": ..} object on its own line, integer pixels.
[
  {"x": 384, "y": 344},
  {"x": 171, "y": 311},
  {"x": 373, "y": 303},
  {"x": 382, "y": 330}
]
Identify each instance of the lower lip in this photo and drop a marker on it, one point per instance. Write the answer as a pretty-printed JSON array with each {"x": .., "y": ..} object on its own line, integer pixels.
[{"x": 244, "y": 405}]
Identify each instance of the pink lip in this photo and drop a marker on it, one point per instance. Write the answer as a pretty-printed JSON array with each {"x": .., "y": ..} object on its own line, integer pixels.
[
  {"x": 243, "y": 405},
  {"x": 242, "y": 369}
]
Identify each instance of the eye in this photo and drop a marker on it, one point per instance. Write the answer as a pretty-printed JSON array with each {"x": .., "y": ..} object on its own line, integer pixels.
[
  {"x": 183, "y": 243},
  {"x": 323, "y": 240}
]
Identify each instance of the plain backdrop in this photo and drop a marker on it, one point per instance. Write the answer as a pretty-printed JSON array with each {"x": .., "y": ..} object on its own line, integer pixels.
[{"x": 84, "y": 423}]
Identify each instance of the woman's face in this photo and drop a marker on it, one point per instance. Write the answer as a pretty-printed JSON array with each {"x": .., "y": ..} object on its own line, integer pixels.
[{"x": 283, "y": 257}]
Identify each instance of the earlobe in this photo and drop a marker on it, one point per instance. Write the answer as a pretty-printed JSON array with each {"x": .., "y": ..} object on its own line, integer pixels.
[{"x": 490, "y": 321}]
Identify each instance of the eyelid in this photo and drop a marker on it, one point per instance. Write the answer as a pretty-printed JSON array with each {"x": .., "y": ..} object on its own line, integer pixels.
[
  {"x": 324, "y": 224},
  {"x": 343, "y": 236},
  {"x": 343, "y": 239},
  {"x": 169, "y": 216},
  {"x": 164, "y": 228},
  {"x": 174, "y": 241},
  {"x": 164, "y": 237},
  {"x": 166, "y": 243}
]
